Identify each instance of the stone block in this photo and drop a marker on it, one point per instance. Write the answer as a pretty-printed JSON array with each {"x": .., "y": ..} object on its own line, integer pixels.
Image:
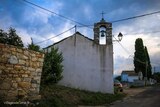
[
  {"x": 19, "y": 50},
  {"x": 27, "y": 79},
  {"x": 18, "y": 79},
  {"x": 5, "y": 50},
  {"x": 24, "y": 75},
  {"x": 10, "y": 75},
  {"x": 12, "y": 93},
  {"x": 0, "y": 71},
  {"x": 24, "y": 57},
  {"x": 14, "y": 85},
  {"x": 9, "y": 66},
  {"x": 34, "y": 65},
  {"x": 31, "y": 69},
  {"x": 15, "y": 75},
  {"x": 39, "y": 55},
  {"x": 13, "y": 59},
  {"x": 26, "y": 53},
  {"x": 13, "y": 49},
  {"x": 40, "y": 59},
  {"x": 27, "y": 63},
  {"x": 38, "y": 70},
  {"x": 33, "y": 74},
  {"x": 23, "y": 85},
  {"x": 2, "y": 67},
  {"x": 3, "y": 93},
  {"x": 25, "y": 68},
  {"x": 13, "y": 53},
  {"x": 5, "y": 86},
  {"x": 27, "y": 72},
  {"x": 33, "y": 55},
  {"x": 17, "y": 67},
  {"x": 37, "y": 78},
  {"x": 34, "y": 59},
  {"x": 22, "y": 92},
  {"x": 4, "y": 76},
  {"x": 21, "y": 72},
  {"x": 22, "y": 62},
  {"x": 34, "y": 85}
]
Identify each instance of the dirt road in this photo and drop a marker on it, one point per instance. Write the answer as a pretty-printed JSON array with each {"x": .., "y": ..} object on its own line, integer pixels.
[{"x": 140, "y": 97}]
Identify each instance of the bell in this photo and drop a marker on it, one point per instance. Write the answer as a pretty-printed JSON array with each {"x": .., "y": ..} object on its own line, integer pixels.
[{"x": 102, "y": 33}]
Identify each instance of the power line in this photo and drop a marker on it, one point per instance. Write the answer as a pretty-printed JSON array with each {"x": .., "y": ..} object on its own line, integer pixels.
[
  {"x": 138, "y": 16},
  {"x": 55, "y": 36},
  {"x": 132, "y": 33},
  {"x": 129, "y": 18},
  {"x": 56, "y": 13},
  {"x": 122, "y": 46}
]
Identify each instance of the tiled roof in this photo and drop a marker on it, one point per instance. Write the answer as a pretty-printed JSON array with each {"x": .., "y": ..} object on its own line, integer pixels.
[{"x": 130, "y": 73}]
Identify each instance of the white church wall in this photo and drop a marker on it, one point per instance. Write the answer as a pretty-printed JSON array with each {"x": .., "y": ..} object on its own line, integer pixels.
[{"x": 87, "y": 65}]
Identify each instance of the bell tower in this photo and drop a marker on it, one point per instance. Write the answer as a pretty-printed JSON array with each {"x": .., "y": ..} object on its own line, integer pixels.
[{"x": 103, "y": 32}]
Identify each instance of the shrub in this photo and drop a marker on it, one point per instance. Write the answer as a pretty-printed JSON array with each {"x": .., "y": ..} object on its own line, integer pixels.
[{"x": 52, "y": 67}]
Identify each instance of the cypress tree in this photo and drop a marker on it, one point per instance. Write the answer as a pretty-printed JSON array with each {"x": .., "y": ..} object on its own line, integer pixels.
[
  {"x": 139, "y": 57},
  {"x": 149, "y": 67}
]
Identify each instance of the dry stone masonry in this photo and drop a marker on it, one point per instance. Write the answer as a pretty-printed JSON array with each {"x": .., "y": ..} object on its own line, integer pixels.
[{"x": 20, "y": 73}]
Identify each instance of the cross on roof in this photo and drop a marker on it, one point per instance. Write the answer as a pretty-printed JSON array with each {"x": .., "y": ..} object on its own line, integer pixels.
[{"x": 102, "y": 14}]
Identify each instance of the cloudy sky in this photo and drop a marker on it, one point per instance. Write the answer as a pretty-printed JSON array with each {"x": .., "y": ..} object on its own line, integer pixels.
[{"x": 31, "y": 21}]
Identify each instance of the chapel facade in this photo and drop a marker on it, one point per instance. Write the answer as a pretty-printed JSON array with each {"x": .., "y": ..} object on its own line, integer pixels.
[{"x": 88, "y": 63}]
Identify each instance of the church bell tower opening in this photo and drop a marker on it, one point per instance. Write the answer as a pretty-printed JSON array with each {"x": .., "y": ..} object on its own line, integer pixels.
[{"x": 103, "y": 32}]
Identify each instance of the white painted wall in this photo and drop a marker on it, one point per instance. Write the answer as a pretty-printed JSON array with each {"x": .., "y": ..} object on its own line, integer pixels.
[
  {"x": 127, "y": 78},
  {"x": 87, "y": 65},
  {"x": 124, "y": 77},
  {"x": 132, "y": 78}
]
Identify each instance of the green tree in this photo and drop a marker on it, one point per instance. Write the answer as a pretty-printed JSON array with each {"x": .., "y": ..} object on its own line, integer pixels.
[
  {"x": 33, "y": 46},
  {"x": 13, "y": 38},
  {"x": 139, "y": 57},
  {"x": 3, "y": 37},
  {"x": 118, "y": 78},
  {"x": 52, "y": 67},
  {"x": 149, "y": 67}
]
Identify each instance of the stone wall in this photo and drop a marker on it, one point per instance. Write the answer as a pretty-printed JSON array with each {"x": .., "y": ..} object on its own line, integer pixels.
[{"x": 20, "y": 73}]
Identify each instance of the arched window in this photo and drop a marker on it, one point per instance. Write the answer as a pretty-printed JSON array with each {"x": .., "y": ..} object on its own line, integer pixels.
[{"x": 102, "y": 35}]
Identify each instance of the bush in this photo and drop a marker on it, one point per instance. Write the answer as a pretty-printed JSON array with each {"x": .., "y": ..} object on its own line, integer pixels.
[
  {"x": 34, "y": 47},
  {"x": 52, "y": 67}
]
